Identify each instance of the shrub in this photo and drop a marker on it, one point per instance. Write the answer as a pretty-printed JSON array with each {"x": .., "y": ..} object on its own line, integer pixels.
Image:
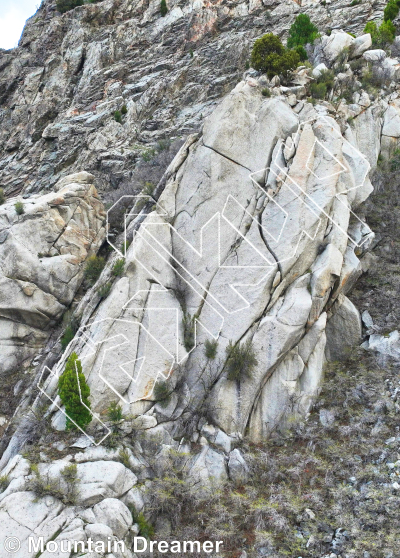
[
  {"x": 148, "y": 154},
  {"x": 395, "y": 161},
  {"x": 148, "y": 188},
  {"x": 118, "y": 116},
  {"x": 211, "y": 348},
  {"x": 383, "y": 35},
  {"x": 124, "y": 109},
  {"x": 391, "y": 10},
  {"x": 270, "y": 56},
  {"x": 67, "y": 5},
  {"x": 265, "y": 92},
  {"x": 19, "y": 208},
  {"x": 188, "y": 323},
  {"x": 4, "y": 482},
  {"x": 318, "y": 90},
  {"x": 67, "y": 337},
  {"x": 162, "y": 393},
  {"x": 114, "y": 412},
  {"x": 104, "y": 290},
  {"x": 46, "y": 486},
  {"x": 302, "y": 31},
  {"x": 70, "y": 475},
  {"x": 372, "y": 29},
  {"x": 163, "y": 8},
  {"x": 323, "y": 84},
  {"x": 123, "y": 457},
  {"x": 74, "y": 395},
  {"x": 118, "y": 267},
  {"x": 94, "y": 267},
  {"x": 387, "y": 32},
  {"x": 146, "y": 530},
  {"x": 301, "y": 51},
  {"x": 2, "y": 196},
  {"x": 241, "y": 360},
  {"x": 125, "y": 245}
]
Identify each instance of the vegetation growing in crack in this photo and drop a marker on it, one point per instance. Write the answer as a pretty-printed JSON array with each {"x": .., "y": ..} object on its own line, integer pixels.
[
  {"x": 19, "y": 208},
  {"x": 146, "y": 529},
  {"x": 114, "y": 412},
  {"x": 104, "y": 290},
  {"x": 64, "y": 488},
  {"x": 118, "y": 268},
  {"x": 210, "y": 348},
  {"x": 4, "y": 482},
  {"x": 93, "y": 268},
  {"x": 241, "y": 360},
  {"x": 162, "y": 393},
  {"x": 188, "y": 323},
  {"x": 74, "y": 394}
]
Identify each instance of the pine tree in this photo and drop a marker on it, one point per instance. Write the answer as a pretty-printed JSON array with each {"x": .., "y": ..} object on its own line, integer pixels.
[
  {"x": 302, "y": 31},
  {"x": 163, "y": 8},
  {"x": 71, "y": 393}
]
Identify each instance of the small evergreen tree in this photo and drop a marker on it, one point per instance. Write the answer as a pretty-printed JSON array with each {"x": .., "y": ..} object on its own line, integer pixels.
[
  {"x": 391, "y": 11},
  {"x": 163, "y": 8},
  {"x": 387, "y": 33},
  {"x": 382, "y": 35},
  {"x": 302, "y": 32},
  {"x": 270, "y": 56},
  {"x": 74, "y": 395}
]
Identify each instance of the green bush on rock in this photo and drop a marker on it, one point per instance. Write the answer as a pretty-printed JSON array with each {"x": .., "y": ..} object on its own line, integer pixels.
[
  {"x": 241, "y": 360},
  {"x": 382, "y": 35},
  {"x": 94, "y": 267},
  {"x": 74, "y": 393},
  {"x": 270, "y": 56},
  {"x": 163, "y": 8},
  {"x": 302, "y": 32}
]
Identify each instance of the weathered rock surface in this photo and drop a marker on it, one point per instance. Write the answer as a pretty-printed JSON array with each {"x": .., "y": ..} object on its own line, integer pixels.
[
  {"x": 42, "y": 255},
  {"x": 279, "y": 269},
  {"x": 60, "y": 88}
]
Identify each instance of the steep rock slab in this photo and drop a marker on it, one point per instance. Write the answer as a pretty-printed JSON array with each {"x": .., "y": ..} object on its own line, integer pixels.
[
  {"x": 42, "y": 256},
  {"x": 246, "y": 244}
]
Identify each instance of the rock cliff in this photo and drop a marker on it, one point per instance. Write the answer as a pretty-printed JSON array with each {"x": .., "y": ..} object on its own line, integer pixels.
[{"x": 225, "y": 291}]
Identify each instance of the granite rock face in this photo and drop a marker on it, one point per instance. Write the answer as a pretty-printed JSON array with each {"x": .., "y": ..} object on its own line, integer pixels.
[
  {"x": 250, "y": 242},
  {"x": 42, "y": 253}
]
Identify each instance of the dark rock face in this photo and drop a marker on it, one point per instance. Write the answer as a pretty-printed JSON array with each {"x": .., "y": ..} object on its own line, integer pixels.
[{"x": 60, "y": 88}]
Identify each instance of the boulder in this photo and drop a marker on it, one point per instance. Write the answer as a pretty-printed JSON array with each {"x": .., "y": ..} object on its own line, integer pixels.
[
  {"x": 103, "y": 479},
  {"x": 343, "y": 329},
  {"x": 97, "y": 479},
  {"x": 237, "y": 467},
  {"x": 328, "y": 49},
  {"x": 376, "y": 55},
  {"x": 386, "y": 345},
  {"x": 99, "y": 532},
  {"x": 317, "y": 71},
  {"x": 360, "y": 45},
  {"x": 208, "y": 470},
  {"x": 115, "y": 515}
]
